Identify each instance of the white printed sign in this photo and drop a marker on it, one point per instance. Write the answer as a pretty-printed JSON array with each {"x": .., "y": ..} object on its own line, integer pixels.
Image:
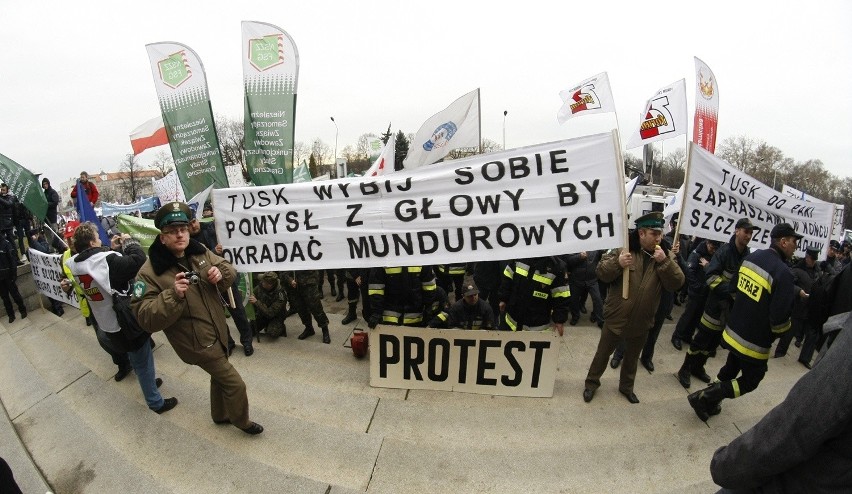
[
  {"x": 505, "y": 363},
  {"x": 718, "y": 194},
  {"x": 47, "y": 275},
  {"x": 839, "y": 209},
  {"x": 541, "y": 200}
]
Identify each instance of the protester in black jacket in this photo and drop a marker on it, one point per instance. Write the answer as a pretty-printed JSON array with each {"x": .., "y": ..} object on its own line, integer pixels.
[
  {"x": 805, "y": 273},
  {"x": 584, "y": 282},
  {"x": 52, "y": 217},
  {"x": 534, "y": 295},
  {"x": 8, "y": 276},
  {"x": 697, "y": 292}
]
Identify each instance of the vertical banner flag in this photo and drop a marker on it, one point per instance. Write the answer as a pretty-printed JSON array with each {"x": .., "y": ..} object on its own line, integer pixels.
[
  {"x": 86, "y": 212},
  {"x": 270, "y": 77},
  {"x": 301, "y": 173},
  {"x": 386, "y": 161},
  {"x": 185, "y": 103},
  {"x": 196, "y": 204},
  {"x": 718, "y": 194},
  {"x": 148, "y": 135},
  {"x": 630, "y": 186},
  {"x": 590, "y": 96},
  {"x": 168, "y": 189},
  {"x": 456, "y": 126},
  {"x": 24, "y": 185},
  {"x": 664, "y": 116},
  {"x": 839, "y": 210},
  {"x": 374, "y": 147},
  {"x": 706, "y": 107}
]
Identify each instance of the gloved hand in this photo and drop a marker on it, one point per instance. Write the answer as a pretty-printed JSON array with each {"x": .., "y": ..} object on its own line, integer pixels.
[{"x": 375, "y": 319}]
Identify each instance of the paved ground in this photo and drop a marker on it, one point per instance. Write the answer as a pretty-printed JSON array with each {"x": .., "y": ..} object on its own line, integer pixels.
[{"x": 327, "y": 430}]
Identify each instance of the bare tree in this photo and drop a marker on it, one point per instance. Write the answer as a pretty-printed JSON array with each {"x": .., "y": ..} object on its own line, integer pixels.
[
  {"x": 301, "y": 151},
  {"x": 130, "y": 180},
  {"x": 163, "y": 162},
  {"x": 322, "y": 153},
  {"x": 232, "y": 139}
]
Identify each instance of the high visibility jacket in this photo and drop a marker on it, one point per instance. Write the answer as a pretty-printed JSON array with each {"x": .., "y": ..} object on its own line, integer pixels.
[
  {"x": 761, "y": 311},
  {"x": 84, "y": 304},
  {"x": 451, "y": 269},
  {"x": 401, "y": 294},
  {"x": 721, "y": 271},
  {"x": 535, "y": 293}
]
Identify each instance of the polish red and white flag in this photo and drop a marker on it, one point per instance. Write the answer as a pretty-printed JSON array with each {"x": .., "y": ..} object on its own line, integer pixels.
[{"x": 148, "y": 135}]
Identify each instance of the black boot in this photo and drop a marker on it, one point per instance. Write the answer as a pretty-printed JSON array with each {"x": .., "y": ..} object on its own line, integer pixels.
[
  {"x": 706, "y": 402},
  {"x": 333, "y": 289},
  {"x": 23, "y": 311},
  {"x": 696, "y": 367},
  {"x": 308, "y": 332},
  {"x": 326, "y": 338},
  {"x": 683, "y": 376},
  {"x": 350, "y": 316}
]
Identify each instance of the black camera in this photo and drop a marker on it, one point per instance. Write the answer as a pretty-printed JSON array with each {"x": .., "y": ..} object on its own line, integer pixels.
[{"x": 192, "y": 277}]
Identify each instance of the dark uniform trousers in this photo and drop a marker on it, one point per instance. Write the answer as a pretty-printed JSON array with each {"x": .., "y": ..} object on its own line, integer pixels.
[
  {"x": 228, "y": 398},
  {"x": 306, "y": 299},
  {"x": 606, "y": 345},
  {"x": 752, "y": 373}
]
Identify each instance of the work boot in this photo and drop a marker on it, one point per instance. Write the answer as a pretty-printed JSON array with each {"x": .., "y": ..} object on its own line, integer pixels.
[
  {"x": 706, "y": 401},
  {"x": 701, "y": 374},
  {"x": 350, "y": 316},
  {"x": 326, "y": 338},
  {"x": 308, "y": 332},
  {"x": 683, "y": 376}
]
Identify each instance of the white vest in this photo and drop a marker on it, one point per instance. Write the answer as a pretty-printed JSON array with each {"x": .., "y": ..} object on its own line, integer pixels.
[{"x": 93, "y": 276}]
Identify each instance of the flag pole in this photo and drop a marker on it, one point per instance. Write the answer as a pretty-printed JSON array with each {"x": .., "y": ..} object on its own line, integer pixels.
[
  {"x": 689, "y": 145},
  {"x": 625, "y": 287},
  {"x": 479, "y": 118}
]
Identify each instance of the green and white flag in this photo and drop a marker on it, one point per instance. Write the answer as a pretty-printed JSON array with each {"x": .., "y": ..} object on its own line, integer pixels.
[
  {"x": 185, "y": 104},
  {"x": 301, "y": 173},
  {"x": 270, "y": 77},
  {"x": 24, "y": 185}
]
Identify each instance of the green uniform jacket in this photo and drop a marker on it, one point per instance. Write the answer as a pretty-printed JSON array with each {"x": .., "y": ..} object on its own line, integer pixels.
[
  {"x": 635, "y": 315},
  {"x": 195, "y": 325}
]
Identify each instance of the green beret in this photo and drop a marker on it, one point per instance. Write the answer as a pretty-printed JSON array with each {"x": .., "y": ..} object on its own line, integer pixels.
[
  {"x": 172, "y": 213},
  {"x": 654, "y": 221}
]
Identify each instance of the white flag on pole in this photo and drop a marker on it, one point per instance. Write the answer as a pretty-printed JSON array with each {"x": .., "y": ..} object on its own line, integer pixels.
[
  {"x": 593, "y": 95},
  {"x": 456, "y": 126},
  {"x": 386, "y": 161},
  {"x": 664, "y": 116}
]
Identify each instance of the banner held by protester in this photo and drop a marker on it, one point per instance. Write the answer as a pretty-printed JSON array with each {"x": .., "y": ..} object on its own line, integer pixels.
[
  {"x": 539, "y": 200},
  {"x": 717, "y": 195},
  {"x": 47, "y": 277},
  {"x": 504, "y": 363},
  {"x": 839, "y": 210}
]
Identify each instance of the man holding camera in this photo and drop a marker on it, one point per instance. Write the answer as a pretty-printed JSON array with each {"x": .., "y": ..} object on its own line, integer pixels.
[{"x": 180, "y": 291}]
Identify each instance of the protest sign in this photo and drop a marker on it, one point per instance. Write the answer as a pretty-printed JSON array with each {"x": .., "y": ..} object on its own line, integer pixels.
[
  {"x": 47, "y": 276},
  {"x": 717, "y": 195},
  {"x": 541, "y": 200},
  {"x": 839, "y": 209},
  {"x": 502, "y": 363}
]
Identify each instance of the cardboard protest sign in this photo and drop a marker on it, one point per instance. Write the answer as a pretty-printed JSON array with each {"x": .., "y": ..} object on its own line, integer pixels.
[
  {"x": 717, "y": 195},
  {"x": 541, "y": 200},
  {"x": 502, "y": 363}
]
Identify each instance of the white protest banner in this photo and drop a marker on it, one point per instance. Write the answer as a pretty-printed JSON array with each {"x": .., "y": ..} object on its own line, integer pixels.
[
  {"x": 540, "y": 200},
  {"x": 504, "y": 363},
  {"x": 839, "y": 209},
  {"x": 47, "y": 276},
  {"x": 168, "y": 188},
  {"x": 718, "y": 194}
]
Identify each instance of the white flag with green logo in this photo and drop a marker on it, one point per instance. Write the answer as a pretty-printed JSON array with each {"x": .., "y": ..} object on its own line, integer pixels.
[
  {"x": 301, "y": 173},
  {"x": 270, "y": 77},
  {"x": 185, "y": 103}
]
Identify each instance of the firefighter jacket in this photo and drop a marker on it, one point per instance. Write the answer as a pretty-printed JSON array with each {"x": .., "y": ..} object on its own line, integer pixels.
[
  {"x": 451, "y": 269},
  {"x": 399, "y": 295},
  {"x": 634, "y": 316},
  {"x": 804, "y": 278},
  {"x": 535, "y": 293},
  {"x": 465, "y": 316},
  {"x": 721, "y": 282},
  {"x": 762, "y": 308},
  {"x": 696, "y": 278}
]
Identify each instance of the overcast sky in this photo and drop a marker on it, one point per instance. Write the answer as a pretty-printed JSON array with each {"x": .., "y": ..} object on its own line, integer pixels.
[{"x": 75, "y": 77}]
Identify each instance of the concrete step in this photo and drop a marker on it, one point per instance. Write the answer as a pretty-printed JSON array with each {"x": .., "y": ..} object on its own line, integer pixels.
[{"x": 178, "y": 457}]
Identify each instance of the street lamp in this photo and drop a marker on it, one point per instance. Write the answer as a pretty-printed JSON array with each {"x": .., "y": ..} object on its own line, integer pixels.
[
  {"x": 336, "y": 132},
  {"x": 505, "y": 112}
]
